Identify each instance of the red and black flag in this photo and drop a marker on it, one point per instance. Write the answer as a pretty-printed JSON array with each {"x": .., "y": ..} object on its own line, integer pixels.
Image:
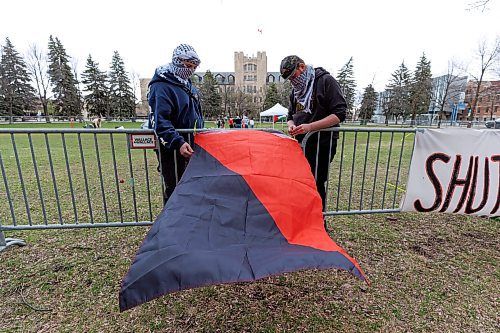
[{"x": 246, "y": 208}]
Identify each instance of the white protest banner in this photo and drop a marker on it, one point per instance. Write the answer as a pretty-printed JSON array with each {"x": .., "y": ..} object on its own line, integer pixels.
[{"x": 455, "y": 171}]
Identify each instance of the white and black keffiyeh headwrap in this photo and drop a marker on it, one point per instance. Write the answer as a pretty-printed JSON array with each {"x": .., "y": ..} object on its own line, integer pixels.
[
  {"x": 183, "y": 52},
  {"x": 302, "y": 89}
]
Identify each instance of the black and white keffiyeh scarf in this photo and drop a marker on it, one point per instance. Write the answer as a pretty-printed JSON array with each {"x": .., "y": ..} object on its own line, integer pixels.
[
  {"x": 303, "y": 88},
  {"x": 183, "y": 52}
]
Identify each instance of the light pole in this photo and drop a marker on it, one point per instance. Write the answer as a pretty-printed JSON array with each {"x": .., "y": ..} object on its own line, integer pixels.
[{"x": 223, "y": 81}]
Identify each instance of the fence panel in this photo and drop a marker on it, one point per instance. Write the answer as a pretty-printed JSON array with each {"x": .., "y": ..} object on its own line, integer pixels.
[
  {"x": 369, "y": 171},
  {"x": 74, "y": 178}
]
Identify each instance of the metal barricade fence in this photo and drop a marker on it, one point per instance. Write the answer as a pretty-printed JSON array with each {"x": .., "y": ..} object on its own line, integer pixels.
[
  {"x": 369, "y": 171},
  {"x": 84, "y": 178}
]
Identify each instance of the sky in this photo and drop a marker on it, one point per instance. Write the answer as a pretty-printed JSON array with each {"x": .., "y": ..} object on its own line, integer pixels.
[{"x": 379, "y": 35}]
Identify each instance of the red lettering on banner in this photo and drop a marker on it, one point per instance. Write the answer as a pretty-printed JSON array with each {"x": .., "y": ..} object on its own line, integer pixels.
[
  {"x": 438, "y": 189},
  {"x": 469, "y": 184},
  {"x": 496, "y": 158},
  {"x": 455, "y": 181},
  {"x": 472, "y": 194}
]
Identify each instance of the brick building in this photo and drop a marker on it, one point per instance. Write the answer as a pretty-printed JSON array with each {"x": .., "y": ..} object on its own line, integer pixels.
[{"x": 488, "y": 102}]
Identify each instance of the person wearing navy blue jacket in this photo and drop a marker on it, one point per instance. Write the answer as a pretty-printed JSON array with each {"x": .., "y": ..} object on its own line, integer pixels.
[{"x": 174, "y": 104}]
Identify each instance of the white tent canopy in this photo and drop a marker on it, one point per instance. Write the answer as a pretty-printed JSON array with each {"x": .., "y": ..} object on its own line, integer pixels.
[{"x": 276, "y": 110}]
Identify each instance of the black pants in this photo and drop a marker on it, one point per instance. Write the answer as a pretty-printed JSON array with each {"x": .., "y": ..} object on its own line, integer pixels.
[
  {"x": 325, "y": 156},
  {"x": 172, "y": 165}
]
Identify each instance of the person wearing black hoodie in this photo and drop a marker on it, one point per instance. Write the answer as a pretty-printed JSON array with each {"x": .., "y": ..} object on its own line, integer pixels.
[
  {"x": 174, "y": 104},
  {"x": 316, "y": 102}
]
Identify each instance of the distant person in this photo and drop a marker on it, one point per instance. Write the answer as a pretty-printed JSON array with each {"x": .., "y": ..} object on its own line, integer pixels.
[
  {"x": 97, "y": 122},
  {"x": 231, "y": 123},
  {"x": 237, "y": 122},
  {"x": 174, "y": 104},
  {"x": 252, "y": 123},
  {"x": 316, "y": 102}
]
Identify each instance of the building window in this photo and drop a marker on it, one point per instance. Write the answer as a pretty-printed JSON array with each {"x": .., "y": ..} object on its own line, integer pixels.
[
  {"x": 220, "y": 78},
  {"x": 249, "y": 67}
]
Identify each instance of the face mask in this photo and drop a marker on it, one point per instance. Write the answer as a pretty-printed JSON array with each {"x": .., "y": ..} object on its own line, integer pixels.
[
  {"x": 184, "y": 72},
  {"x": 300, "y": 81}
]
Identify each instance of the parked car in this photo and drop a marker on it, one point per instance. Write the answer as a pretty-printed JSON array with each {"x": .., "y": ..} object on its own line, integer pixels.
[{"x": 493, "y": 123}]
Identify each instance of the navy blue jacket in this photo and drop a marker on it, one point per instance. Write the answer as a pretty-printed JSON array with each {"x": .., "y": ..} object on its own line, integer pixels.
[{"x": 173, "y": 106}]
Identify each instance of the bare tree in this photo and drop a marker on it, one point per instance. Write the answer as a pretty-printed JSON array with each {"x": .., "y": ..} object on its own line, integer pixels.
[
  {"x": 240, "y": 102},
  {"x": 447, "y": 90},
  {"x": 479, "y": 5},
  {"x": 488, "y": 57},
  {"x": 135, "y": 82},
  {"x": 37, "y": 66}
]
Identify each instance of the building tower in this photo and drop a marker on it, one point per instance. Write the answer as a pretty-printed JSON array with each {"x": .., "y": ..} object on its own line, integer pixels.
[{"x": 250, "y": 74}]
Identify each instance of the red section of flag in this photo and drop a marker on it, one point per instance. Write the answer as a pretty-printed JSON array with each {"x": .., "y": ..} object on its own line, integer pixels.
[{"x": 285, "y": 186}]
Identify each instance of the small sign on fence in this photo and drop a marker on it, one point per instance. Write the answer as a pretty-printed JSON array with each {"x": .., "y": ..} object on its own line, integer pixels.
[{"x": 142, "y": 141}]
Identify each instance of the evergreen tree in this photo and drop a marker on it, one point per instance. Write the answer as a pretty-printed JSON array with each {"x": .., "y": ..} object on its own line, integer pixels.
[
  {"x": 94, "y": 80},
  {"x": 211, "y": 100},
  {"x": 347, "y": 84},
  {"x": 16, "y": 93},
  {"x": 121, "y": 95},
  {"x": 399, "y": 98},
  {"x": 272, "y": 96},
  {"x": 421, "y": 88},
  {"x": 368, "y": 103},
  {"x": 64, "y": 84}
]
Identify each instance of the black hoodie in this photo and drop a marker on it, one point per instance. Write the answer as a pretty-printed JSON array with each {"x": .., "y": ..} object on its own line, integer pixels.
[{"x": 327, "y": 99}]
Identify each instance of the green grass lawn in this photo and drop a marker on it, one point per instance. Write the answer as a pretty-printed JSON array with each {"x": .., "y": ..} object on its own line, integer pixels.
[{"x": 429, "y": 273}]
